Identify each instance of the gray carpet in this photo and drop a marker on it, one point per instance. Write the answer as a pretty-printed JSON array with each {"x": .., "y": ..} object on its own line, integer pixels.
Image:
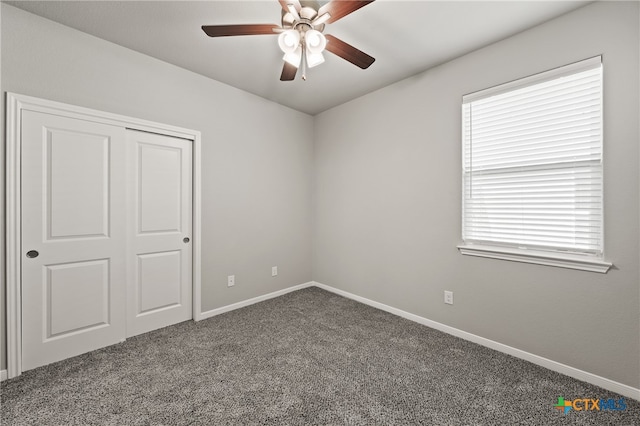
[{"x": 308, "y": 357}]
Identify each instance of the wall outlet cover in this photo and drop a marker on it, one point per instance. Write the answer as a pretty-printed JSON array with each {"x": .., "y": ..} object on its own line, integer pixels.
[{"x": 448, "y": 297}]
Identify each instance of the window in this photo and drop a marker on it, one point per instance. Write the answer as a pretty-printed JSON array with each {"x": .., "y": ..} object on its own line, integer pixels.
[{"x": 532, "y": 169}]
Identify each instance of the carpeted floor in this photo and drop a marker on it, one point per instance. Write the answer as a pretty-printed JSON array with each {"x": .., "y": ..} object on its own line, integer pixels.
[{"x": 308, "y": 357}]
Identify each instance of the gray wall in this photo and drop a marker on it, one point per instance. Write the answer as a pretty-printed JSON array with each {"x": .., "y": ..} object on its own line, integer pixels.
[
  {"x": 387, "y": 202},
  {"x": 256, "y": 179}
]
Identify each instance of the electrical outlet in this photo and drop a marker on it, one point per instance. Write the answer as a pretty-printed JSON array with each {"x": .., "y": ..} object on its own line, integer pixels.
[
  {"x": 231, "y": 280},
  {"x": 274, "y": 271},
  {"x": 448, "y": 297}
]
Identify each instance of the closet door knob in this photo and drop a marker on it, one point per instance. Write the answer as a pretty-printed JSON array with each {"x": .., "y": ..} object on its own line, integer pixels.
[
  {"x": 185, "y": 240},
  {"x": 32, "y": 254}
]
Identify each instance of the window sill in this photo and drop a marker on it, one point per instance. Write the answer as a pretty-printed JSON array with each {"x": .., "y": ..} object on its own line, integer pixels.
[{"x": 537, "y": 257}]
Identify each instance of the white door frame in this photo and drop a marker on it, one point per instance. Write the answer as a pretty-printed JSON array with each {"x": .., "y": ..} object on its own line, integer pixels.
[{"x": 15, "y": 105}]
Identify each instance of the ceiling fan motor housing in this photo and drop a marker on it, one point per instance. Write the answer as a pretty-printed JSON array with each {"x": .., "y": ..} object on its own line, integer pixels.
[{"x": 305, "y": 23}]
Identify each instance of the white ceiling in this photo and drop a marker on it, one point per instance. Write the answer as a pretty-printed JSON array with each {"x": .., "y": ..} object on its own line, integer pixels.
[{"x": 405, "y": 37}]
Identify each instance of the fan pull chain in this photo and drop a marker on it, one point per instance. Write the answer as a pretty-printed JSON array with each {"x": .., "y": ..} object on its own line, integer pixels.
[{"x": 304, "y": 62}]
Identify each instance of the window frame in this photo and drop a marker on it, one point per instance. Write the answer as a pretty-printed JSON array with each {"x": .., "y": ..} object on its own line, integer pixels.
[{"x": 558, "y": 258}]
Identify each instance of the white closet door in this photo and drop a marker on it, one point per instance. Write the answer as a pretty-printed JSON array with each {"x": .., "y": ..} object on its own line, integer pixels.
[
  {"x": 160, "y": 221},
  {"x": 73, "y": 234}
]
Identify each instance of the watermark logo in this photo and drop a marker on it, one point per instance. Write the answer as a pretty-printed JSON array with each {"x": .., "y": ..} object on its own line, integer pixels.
[
  {"x": 563, "y": 405},
  {"x": 590, "y": 404}
]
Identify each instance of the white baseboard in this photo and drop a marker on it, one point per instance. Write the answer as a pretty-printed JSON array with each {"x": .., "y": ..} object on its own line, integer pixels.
[
  {"x": 585, "y": 376},
  {"x": 3, "y": 375},
  {"x": 242, "y": 304}
]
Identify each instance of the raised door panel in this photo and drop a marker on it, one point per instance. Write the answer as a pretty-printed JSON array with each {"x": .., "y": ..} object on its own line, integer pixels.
[
  {"x": 77, "y": 178},
  {"x": 160, "y": 188},
  {"x": 159, "y": 281},
  {"x": 76, "y": 297}
]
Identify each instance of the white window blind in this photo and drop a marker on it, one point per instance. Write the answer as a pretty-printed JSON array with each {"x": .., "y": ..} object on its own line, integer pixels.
[{"x": 532, "y": 162}]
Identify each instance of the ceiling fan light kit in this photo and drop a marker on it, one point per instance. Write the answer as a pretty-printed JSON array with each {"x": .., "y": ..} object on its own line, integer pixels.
[
  {"x": 294, "y": 57},
  {"x": 313, "y": 59},
  {"x": 301, "y": 37},
  {"x": 315, "y": 41},
  {"x": 289, "y": 40}
]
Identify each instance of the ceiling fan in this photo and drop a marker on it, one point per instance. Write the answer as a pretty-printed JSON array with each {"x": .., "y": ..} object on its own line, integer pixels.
[{"x": 301, "y": 35}]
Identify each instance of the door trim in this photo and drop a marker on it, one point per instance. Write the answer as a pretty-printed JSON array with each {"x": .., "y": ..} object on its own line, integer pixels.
[{"x": 16, "y": 103}]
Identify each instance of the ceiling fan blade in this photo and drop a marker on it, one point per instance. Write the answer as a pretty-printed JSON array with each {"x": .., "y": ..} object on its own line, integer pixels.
[
  {"x": 341, "y": 8},
  {"x": 285, "y": 3},
  {"x": 288, "y": 72},
  {"x": 348, "y": 52},
  {"x": 321, "y": 19},
  {"x": 238, "y": 30}
]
